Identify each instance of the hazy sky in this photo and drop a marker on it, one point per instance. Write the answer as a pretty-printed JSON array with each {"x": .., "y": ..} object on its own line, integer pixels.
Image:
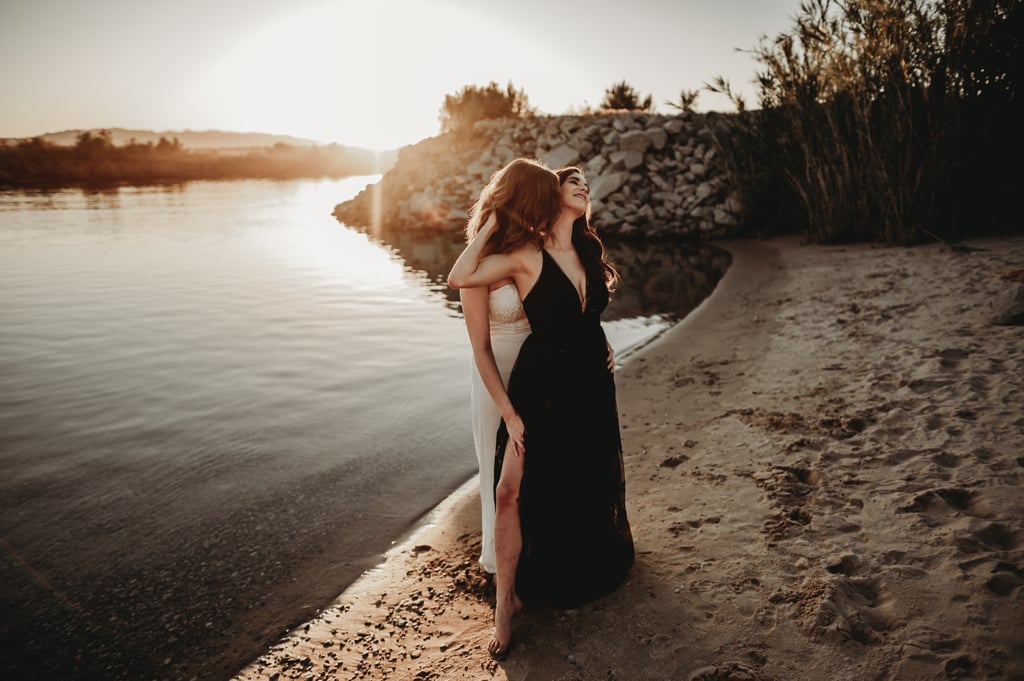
[{"x": 358, "y": 73}]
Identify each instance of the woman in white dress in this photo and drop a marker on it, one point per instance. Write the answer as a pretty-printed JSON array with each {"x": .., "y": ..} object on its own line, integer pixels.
[
  {"x": 497, "y": 326},
  {"x": 521, "y": 200}
]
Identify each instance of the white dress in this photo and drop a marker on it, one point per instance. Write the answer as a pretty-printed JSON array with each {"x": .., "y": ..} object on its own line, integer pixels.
[{"x": 509, "y": 328}]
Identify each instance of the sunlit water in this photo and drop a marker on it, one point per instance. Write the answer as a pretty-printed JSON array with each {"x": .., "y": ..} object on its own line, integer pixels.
[{"x": 219, "y": 406}]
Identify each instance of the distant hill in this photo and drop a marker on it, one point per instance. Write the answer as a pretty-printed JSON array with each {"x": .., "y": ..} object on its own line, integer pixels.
[
  {"x": 119, "y": 156},
  {"x": 190, "y": 139}
]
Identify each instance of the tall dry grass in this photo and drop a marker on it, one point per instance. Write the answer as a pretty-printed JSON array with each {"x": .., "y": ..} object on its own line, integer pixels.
[{"x": 884, "y": 120}]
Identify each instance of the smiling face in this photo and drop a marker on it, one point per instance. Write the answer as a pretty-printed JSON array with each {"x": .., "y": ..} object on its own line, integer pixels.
[{"x": 575, "y": 194}]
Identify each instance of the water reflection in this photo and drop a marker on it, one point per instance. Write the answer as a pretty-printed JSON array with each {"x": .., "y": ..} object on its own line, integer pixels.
[
  {"x": 664, "y": 278},
  {"x": 668, "y": 278}
]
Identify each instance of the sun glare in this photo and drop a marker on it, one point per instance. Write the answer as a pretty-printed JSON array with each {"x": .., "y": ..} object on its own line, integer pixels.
[
  {"x": 319, "y": 245},
  {"x": 366, "y": 74}
]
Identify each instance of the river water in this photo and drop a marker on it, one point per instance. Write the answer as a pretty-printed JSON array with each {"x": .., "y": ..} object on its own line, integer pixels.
[{"x": 219, "y": 406}]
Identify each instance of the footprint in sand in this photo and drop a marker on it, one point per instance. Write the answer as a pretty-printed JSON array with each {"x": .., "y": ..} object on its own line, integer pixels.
[
  {"x": 961, "y": 667},
  {"x": 839, "y": 607},
  {"x": 901, "y": 456},
  {"x": 946, "y": 460},
  {"x": 750, "y": 603},
  {"x": 923, "y": 386},
  {"x": 951, "y": 358},
  {"x": 933, "y": 647},
  {"x": 767, "y": 617},
  {"x": 935, "y": 505},
  {"x": 728, "y": 671},
  {"x": 929, "y": 644},
  {"x": 846, "y": 564},
  {"x": 790, "y": 489},
  {"x": 687, "y": 526},
  {"x": 1007, "y": 578},
  {"x": 855, "y": 610},
  {"x": 954, "y": 498},
  {"x": 990, "y": 537},
  {"x": 673, "y": 461}
]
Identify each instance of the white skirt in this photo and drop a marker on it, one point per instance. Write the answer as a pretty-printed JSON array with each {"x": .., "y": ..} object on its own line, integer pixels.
[{"x": 505, "y": 341}]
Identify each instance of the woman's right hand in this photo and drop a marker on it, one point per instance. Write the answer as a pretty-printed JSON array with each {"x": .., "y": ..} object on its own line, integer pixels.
[
  {"x": 472, "y": 268},
  {"x": 516, "y": 433},
  {"x": 489, "y": 223}
]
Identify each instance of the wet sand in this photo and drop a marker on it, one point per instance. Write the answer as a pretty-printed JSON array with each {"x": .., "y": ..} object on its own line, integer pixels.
[{"x": 824, "y": 466}]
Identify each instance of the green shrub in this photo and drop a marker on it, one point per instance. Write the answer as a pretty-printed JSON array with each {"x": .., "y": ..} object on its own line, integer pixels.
[
  {"x": 477, "y": 103},
  {"x": 621, "y": 96}
]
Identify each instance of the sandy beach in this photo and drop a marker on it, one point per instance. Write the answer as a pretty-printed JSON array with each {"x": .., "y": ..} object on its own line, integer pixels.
[{"x": 824, "y": 466}]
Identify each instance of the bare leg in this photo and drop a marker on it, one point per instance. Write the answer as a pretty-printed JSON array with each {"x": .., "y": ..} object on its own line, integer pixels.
[{"x": 508, "y": 542}]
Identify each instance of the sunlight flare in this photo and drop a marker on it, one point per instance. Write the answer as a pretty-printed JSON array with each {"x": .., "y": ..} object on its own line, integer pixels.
[
  {"x": 318, "y": 244},
  {"x": 367, "y": 74}
]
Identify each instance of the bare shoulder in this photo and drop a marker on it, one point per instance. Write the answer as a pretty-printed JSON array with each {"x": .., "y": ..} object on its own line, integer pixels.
[{"x": 528, "y": 258}]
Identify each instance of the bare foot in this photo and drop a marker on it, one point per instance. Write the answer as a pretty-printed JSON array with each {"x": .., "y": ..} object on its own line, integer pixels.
[{"x": 504, "y": 610}]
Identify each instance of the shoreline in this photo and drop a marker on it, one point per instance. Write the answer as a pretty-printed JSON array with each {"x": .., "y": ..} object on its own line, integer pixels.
[{"x": 823, "y": 466}]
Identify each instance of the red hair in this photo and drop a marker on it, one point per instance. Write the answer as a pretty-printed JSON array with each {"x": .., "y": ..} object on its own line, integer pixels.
[{"x": 524, "y": 197}]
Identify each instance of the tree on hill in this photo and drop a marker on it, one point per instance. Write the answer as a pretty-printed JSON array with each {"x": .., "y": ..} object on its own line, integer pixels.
[
  {"x": 622, "y": 95},
  {"x": 90, "y": 144},
  {"x": 165, "y": 145},
  {"x": 477, "y": 103}
]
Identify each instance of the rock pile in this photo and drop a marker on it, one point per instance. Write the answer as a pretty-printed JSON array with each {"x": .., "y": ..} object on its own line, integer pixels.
[{"x": 651, "y": 175}]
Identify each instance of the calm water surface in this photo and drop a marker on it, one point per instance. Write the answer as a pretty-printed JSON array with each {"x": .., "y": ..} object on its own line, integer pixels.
[{"x": 220, "y": 406}]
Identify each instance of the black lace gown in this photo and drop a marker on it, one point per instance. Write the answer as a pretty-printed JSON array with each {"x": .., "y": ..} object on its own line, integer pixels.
[{"x": 577, "y": 543}]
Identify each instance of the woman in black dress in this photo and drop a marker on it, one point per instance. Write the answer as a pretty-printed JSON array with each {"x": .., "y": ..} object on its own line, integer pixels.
[{"x": 570, "y": 540}]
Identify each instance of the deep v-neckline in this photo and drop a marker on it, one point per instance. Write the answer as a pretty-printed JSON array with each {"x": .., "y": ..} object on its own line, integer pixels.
[{"x": 581, "y": 296}]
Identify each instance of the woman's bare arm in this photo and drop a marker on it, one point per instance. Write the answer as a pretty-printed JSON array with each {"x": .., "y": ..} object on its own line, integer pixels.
[
  {"x": 474, "y": 310},
  {"x": 472, "y": 268}
]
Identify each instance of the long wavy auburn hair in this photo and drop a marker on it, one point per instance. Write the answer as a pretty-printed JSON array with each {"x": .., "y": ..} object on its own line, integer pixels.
[
  {"x": 588, "y": 245},
  {"x": 525, "y": 197}
]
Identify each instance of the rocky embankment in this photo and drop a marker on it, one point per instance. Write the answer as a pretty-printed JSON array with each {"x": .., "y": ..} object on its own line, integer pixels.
[{"x": 651, "y": 175}]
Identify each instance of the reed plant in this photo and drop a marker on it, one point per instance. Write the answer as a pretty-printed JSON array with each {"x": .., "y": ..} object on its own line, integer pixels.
[{"x": 883, "y": 120}]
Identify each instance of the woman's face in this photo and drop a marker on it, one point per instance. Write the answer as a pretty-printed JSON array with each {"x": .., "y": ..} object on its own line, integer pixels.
[{"x": 575, "y": 194}]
